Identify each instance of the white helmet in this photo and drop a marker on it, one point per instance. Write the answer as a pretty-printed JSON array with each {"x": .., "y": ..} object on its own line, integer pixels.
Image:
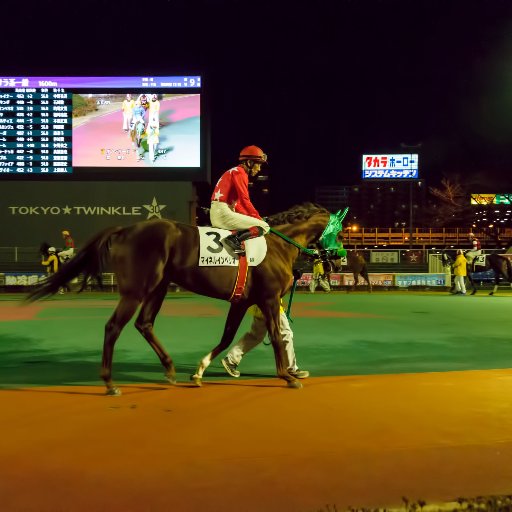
[{"x": 51, "y": 250}]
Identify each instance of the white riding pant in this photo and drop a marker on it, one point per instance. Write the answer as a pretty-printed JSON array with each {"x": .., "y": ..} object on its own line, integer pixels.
[
  {"x": 257, "y": 334},
  {"x": 222, "y": 216},
  {"x": 67, "y": 254}
]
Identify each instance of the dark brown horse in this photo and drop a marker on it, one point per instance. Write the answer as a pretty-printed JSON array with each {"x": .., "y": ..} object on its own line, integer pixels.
[
  {"x": 500, "y": 265},
  {"x": 357, "y": 265},
  {"x": 149, "y": 255}
]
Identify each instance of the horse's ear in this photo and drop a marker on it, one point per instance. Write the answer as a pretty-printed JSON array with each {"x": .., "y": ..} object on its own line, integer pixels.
[{"x": 341, "y": 215}]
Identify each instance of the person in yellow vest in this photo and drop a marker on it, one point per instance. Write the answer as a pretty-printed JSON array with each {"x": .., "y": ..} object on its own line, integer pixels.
[
  {"x": 52, "y": 263},
  {"x": 460, "y": 267},
  {"x": 127, "y": 108},
  {"x": 319, "y": 277},
  {"x": 255, "y": 336}
]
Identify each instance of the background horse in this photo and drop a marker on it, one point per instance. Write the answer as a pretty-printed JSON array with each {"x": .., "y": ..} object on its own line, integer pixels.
[
  {"x": 500, "y": 265},
  {"x": 357, "y": 265},
  {"x": 148, "y": 255}
]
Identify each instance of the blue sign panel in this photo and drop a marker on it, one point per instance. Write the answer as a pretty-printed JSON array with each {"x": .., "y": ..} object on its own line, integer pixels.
[
  {"x": 406, "y": 280},
  {"x": 395, "y": 167}
]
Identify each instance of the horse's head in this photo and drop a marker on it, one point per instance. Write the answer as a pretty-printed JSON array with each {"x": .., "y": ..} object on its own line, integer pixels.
[
  {"x": 446, "y": 259},
  {"x": 310, "y": 223},
  {"x": 330, "y": 240}
]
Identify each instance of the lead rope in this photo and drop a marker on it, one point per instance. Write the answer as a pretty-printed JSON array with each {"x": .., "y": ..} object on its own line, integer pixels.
[{"x": 309, "y": 252}]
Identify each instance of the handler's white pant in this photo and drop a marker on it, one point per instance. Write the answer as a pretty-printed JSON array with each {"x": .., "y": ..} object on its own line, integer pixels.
[
  {"x": 257, "y": 334},
  {"x": 318, "y": 279},
  {"x": 127, "y": 119},
  {"x": 222, "y": 216},
  {"x": 460, "y": 284}
]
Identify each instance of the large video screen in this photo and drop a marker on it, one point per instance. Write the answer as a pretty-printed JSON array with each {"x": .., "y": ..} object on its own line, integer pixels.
[{"x": 103, "y": 128}]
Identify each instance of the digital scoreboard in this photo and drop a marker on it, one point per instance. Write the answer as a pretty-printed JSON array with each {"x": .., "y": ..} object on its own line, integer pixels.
[
  {"x": 61, "y": 125},
  {"x": 35, "y": 130}
]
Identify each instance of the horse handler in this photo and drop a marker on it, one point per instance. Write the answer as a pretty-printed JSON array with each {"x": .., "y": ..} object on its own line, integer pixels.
[
  {"x": 460, "y": 270},
  {"x": 255, "y": 336},
  {"x": 231, "y": 207}
]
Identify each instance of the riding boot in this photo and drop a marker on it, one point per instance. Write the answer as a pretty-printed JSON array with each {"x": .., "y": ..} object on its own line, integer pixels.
[{"x": 234, "y": 241}]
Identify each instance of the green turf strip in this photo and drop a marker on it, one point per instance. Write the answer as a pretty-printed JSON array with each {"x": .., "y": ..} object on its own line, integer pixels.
[{"x": 402, "y": 332}]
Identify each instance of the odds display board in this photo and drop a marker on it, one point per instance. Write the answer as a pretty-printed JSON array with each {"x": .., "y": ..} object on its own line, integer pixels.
[
  {"x": 390, "y": 167},
  {"x": 103, "y": 128}
]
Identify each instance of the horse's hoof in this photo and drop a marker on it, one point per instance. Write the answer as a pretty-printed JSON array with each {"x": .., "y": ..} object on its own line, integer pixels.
[
  {"x": 113, "y": 391},
  {"x": 492, "y": 293},
  {"x": 171, "y": 378},
  {"x": 294, "y": 384},
  {"x": 198, "y": 381},
  {"x": 473, "y": 293}
]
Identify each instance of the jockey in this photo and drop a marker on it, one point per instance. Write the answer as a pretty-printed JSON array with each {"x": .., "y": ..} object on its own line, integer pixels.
[
  {"x": 138, "y": 114},
  {"x": 231, "y": 207},
  {"x": 476, "y": 249},
  {"x": 143, "y": 101},
  {"x": 69, "y": 251}
]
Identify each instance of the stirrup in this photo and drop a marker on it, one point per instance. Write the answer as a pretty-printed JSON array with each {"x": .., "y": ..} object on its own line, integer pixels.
[{"x": 234, "y": 244}]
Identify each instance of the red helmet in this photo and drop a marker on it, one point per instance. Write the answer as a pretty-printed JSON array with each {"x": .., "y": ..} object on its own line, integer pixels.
[{"x": 253, "y": 153}]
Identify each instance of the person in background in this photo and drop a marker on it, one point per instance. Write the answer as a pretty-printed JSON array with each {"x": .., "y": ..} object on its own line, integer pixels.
[
  {"x": 231, "y": 207},
  {"x": 255, "y": 336},
  {"x": 476, "y": 249},
  {"x": 52, "y": 264},
  {"x": 127, "y": 108},
  {"x": 69, "y": 247},
  {"x": 154, "y": 110},
  {"x": 460, "y": 271},
  {"x": 152, "y": 134},
  {"x": 319, "y": 277}
]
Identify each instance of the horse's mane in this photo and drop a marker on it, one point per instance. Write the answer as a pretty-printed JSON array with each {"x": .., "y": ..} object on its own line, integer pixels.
[{"x": 297, "y": 213}]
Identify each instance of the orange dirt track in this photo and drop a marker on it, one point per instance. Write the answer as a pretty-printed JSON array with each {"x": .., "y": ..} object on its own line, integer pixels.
[{"x": 254, "y": 445}]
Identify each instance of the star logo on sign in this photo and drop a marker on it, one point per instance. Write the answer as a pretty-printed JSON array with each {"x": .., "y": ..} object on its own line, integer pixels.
[
  {"x": 413, "y": 257},
  {"x": 66, "y": 210},
  {"x": 154, "y": 209}
]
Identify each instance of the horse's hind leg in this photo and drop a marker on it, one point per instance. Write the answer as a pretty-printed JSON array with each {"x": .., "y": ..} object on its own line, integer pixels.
[
  {"x": 122, "y": 314},
  {"x": 356, "y": 281},
  {"x": 144, "y": 324},
  {"x": 235, "y": 315},
  {"x": 472, "y": 283},
  {"x": 366, "y": 277}
]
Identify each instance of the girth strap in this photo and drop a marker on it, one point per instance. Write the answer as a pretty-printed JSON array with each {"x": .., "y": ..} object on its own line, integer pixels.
[{"x": 241, "y": 278}]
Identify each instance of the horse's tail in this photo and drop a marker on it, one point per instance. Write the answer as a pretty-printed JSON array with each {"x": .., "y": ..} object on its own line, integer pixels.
[{"x": 89, "y": 261}]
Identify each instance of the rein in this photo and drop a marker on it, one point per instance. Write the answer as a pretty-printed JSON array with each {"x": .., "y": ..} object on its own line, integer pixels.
[{"x": 305, "y": 250}]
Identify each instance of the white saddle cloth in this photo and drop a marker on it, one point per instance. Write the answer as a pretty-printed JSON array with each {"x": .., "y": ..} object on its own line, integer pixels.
[{"x": 213, "y": 254}]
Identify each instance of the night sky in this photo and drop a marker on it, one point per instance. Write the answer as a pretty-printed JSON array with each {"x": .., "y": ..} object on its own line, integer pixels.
[{"x": 316, "y": 84}]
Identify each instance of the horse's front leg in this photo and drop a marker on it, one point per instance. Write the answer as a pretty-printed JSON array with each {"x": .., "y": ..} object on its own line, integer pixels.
[
  {"x": 235, "y": 315},
  {"x": 272, "y": 313}
]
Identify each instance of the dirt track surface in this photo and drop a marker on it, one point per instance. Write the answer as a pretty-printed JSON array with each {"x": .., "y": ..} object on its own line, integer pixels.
[{"x": 257, "y": 446}]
